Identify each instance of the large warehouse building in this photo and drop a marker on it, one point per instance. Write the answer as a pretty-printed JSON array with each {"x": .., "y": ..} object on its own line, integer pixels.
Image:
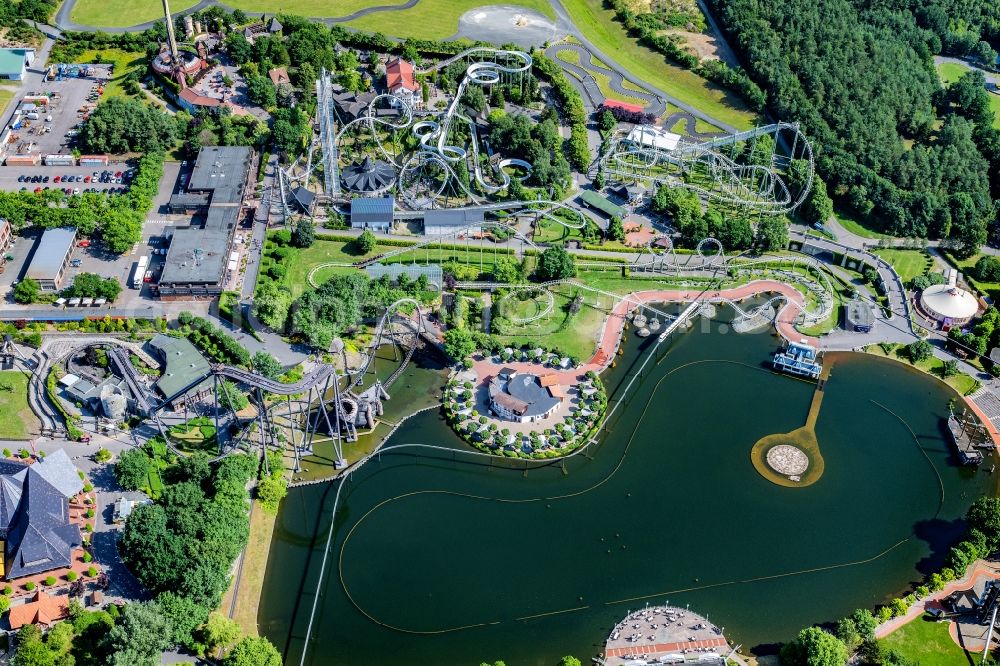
[
  {"x": 197, "y": 260},
  {"x": 51, "y": 259}
]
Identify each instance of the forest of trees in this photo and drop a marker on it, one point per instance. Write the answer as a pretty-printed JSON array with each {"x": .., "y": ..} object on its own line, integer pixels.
[
  {"x": 894, "y": 147},
  {"x": 122, "y": 125}
]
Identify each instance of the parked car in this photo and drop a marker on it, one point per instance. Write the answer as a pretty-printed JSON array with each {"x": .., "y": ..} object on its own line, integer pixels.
[{"x": 83, "y": 243}]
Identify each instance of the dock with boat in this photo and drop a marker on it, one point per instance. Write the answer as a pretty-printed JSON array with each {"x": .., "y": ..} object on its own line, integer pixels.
[{"x": 970, "y": 437}]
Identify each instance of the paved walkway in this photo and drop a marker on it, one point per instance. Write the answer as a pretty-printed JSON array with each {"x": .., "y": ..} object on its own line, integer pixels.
[
  {"x": 615, "y": 323},
  {"x": 660, "y": 648},
  {"x": 978, "y": 570}
]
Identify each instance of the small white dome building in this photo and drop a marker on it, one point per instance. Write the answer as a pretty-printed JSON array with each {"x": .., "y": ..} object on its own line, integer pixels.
[{"x": 948, "y": 303}]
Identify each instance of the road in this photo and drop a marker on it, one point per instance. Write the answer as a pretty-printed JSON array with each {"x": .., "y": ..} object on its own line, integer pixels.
[
  {"x": 991, "y": 77},
  {"x": 259, "y": 229},
  {"x": 34, "y": 76}
]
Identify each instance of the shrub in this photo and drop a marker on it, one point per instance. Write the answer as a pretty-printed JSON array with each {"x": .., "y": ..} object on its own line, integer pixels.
[
  {"x": 24, "y": 454},
  {"x": 90, "y": 513},
  {"x": 30, "y": 585},
  {"x": 92, "y": 571},
  {"x": 7, "y": 453},
  {"x": 50, "y": 580},
  {"x": 8, "y": 590},
  {"x": 102, "y": 455},
  {"x": 87, "y": 487},
  {"x": 71, "y": 576},
  {"x": 87, "y": 557},
  {"x": 898, "y": 607}
]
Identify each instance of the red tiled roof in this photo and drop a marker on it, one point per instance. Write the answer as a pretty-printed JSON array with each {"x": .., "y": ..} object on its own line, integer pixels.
[
  {"x": 549, "y": 379},
  {"x": 399, "y": 74},
  {"x": 194, "y": 98},
  {"x": 615, "y": 104},
  {"x": 279, "y": 75},
  {"x": 45, "y": 609}
]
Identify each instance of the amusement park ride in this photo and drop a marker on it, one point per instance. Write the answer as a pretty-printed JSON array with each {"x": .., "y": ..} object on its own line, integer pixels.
[
  {"x": 415, "y": 154},
  {"x": 425, "y": 174}
]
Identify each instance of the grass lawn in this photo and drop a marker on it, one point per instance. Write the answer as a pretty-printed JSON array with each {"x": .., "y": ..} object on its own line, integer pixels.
[
  {"x": 550, "y": 231},
  {"x": 198, "y": 434},
  {"x": 704, "y": 127},
  {"x": 575, "y": 335},
  {"x": 122, "y": 13},
  {"x": 908, "y": 263},
  {"x": 254, "y": 568},
  {"x": 857, "y": 228},
  {"x": 962, "y": 383},
  {"x": 6, "y": 95},
  {"x": 599, "y": 26},
  {"x": 953, "y": 71},
  {"x": 321, "y": 252},
  {"x": 926, "y": 642},
  {"x": 429, "y": 19},
  {"x": 301, "y": 262},
  {"x": 124, "y": 62},
  {"x": 991, "y": 289},
  {"x": 16, "y": 417}
]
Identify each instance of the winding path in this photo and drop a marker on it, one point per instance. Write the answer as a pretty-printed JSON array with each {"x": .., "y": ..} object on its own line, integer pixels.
[
  {"x": 588, "y": 64},
  {"x": 565, "y": 18},
  {"x": 615, "y": 323},
  {"x": 582, "y": 75}
]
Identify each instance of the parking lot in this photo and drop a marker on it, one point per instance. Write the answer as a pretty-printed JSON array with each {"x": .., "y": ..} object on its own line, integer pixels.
[
  {"x": 74, "y": 96},
  {"x": 94, "y": 258},
  {"x": 80, "y": 178}
]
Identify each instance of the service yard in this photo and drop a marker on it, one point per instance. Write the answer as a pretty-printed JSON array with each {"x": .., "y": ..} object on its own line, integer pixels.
[{"x": 72, "y": 98}]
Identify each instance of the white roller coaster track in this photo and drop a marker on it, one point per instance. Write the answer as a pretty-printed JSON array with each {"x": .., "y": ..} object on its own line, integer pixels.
[
  {"x": 550, "y": 304},
  {"x": 494, "y": 66},
  {"x": 822, "y": 288},
  {"x": 758, "y": 187}
]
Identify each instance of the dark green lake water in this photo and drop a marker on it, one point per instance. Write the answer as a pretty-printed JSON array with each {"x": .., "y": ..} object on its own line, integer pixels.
[{"x": 668, "y": 508}]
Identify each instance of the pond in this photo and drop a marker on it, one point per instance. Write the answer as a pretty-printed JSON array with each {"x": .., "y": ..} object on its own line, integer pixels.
[{"x": 443, "y": 558}]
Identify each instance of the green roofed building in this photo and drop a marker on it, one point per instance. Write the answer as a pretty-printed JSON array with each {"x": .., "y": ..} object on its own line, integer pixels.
[
  {"x": 183, "y": 365},
  {"x": 602, "y": 204},
  {"x": 14, "y": 63}
]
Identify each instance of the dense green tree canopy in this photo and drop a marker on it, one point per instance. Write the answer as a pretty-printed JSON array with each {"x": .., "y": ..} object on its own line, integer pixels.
[
  {"x": 253, "y": 651},
  {"x": 814, "y": 647},
  {"x": 267, "y": 365},
  {"x": 122, "y": 125},
  {"x": 94, "y": 286},
  {"x": 132, "y": 469},
  {"x": 27, "y": 291},
  {"x": 140, "y": 635},
  {"x": 859, "y": 78},
  {"x": 459, "y": 343},
  {"x": 555, "y": 263}
]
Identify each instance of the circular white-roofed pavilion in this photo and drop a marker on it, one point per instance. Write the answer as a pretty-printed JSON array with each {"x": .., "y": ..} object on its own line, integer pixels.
[{"x": 951, "y": 305}]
